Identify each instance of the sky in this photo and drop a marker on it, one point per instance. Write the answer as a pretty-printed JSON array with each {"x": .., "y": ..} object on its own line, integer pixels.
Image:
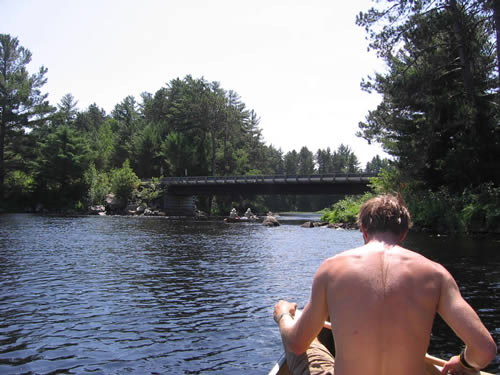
[{"x": 297, "y": 64}]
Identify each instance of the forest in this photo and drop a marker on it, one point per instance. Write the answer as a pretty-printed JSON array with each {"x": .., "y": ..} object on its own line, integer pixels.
[
  {"x": 61, "y": 158},
  {"x": 438, "y": 119}
]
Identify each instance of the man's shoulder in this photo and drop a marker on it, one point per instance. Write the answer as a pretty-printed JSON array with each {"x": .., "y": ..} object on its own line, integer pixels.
[
  {"x": 413, "y": 255},
  {"x": 419, "y": 265},
  {"x": 364, "y": 253},
  {"x": 345, "y": 256},
  {"x": 344, "y": 260}
]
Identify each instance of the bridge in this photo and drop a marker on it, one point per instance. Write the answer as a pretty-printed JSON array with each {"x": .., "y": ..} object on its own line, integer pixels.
[
  {"x": 181, "y": 190},
  {"x": 340, "y": 183}
]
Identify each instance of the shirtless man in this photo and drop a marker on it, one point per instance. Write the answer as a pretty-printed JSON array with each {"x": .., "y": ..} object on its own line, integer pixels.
[{"x": 382, "y": 300}]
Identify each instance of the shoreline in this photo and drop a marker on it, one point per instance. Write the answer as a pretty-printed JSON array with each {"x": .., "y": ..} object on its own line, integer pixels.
[{"x": 306, "y": 224}]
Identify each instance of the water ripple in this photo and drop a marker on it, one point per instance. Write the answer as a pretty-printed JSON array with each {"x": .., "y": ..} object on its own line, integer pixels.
[{"x": 114, "y": 295}]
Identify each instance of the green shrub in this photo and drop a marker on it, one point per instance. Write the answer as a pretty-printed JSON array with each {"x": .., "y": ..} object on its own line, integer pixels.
[
  {"x": 152, "y": 190},
  {"x": 123, "y": 182},
  {"x": 473, "y": 210},
  {"x": 346, "y": 210},
  {"x": 19, "y": 188},
  {"x": 98, "y": 186},
  {"x": 436, "y": 210},
  {"x": 19, "y": 183},
  {"x": 481, "y": 208}
]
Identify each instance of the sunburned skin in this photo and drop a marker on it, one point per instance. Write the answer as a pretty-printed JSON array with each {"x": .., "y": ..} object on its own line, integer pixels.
[{"x": 380, "y": 302}]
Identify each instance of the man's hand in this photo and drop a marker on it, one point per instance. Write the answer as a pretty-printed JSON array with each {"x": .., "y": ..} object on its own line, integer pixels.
[
  {"x": 284, "y": 307},
  {"x": 453, "y": 366}
]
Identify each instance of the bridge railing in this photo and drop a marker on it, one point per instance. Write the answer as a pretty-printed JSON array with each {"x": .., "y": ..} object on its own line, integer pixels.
[{"x": 271, "y": 179}]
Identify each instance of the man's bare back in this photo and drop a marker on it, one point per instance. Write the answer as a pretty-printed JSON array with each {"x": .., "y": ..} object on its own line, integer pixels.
[{"x": 382, "y": 300}]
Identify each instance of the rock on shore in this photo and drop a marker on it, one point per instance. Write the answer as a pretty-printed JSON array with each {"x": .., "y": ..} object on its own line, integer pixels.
[
  {"x": 313, "y": 224},
  {"x": 270, "y": 221}
]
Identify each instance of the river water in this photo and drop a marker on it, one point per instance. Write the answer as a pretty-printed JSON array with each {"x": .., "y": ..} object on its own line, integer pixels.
[{"x": 142, "y": 295}]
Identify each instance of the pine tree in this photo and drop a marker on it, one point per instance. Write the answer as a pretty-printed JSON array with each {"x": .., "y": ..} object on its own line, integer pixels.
[{"x": 22, "y": 104}]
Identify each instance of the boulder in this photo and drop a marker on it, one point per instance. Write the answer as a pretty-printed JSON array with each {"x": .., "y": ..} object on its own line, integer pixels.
[
  {"x": 336, "y": 225},
  {"x": 320, "y": 224},
  {"x": 200, "y": 214},
  {"x": 97, "y": 210},
  {"x": 271, "y": 221},
  {"x": 112, "y": 203},
  {"x": 132, "y": 208},
  {"x": 308, "y": 224},
  {"x": 340, "y": 226}
]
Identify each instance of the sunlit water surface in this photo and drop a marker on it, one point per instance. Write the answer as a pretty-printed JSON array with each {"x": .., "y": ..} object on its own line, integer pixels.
[{"x": 118, "y": 295}]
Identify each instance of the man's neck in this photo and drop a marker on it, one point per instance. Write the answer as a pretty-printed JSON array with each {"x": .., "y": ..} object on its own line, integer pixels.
[{"x": 387, "y": 238}]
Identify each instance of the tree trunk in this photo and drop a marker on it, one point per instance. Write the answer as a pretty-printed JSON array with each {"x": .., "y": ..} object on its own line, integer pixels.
[
  {"x": 464, "y": 59},
  {"x": 496, "y": 13}
]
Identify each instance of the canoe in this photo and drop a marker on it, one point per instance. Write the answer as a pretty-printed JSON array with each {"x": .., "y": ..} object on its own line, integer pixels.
[
  {"x": 280, "y": 367},
  {"x": 325, "y": 337},
  {"x": 240, "y": 219},
  {"x": 433, "y": 365}
]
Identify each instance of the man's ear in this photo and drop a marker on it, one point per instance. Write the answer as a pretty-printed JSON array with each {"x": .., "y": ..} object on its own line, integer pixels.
[
  {"x": 403, "y": 236},
  {"x": 365, "y": 234}
]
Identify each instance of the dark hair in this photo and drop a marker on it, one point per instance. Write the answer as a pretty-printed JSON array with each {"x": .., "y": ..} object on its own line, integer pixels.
[{"x": 385, "y": 213}]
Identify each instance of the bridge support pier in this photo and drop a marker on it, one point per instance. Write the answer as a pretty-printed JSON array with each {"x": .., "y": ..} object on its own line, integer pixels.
[{"x": 179, "y": 205}]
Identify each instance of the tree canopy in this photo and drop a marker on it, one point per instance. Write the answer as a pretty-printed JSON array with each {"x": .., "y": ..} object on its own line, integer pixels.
[
  {"x": 22, "y": 104},
  {"x": 439, "y": 112}
]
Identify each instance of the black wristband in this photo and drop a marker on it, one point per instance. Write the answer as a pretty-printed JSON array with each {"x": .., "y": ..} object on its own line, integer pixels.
[
  {"x": 463, "y": 362},
  {"x": 282, "y": 315}
]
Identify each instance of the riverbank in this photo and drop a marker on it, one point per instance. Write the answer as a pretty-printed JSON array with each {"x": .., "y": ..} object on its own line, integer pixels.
[
  {"x": 141, "y": 209},
  {"x": 468, "y": 215}
]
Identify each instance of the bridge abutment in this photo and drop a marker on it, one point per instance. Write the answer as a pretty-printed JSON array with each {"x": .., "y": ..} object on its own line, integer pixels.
[{"x": 179, "y": 205}]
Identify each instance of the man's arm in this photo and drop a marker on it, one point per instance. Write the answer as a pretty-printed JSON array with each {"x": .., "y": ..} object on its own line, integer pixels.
[
  {"x": 460, "y": 316},
  {"x": 299, "y": 332}
]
